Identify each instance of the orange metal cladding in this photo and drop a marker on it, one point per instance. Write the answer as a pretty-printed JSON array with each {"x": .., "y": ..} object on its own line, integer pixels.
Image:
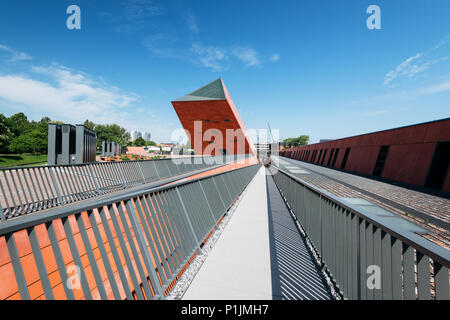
[
  {"x": 213, "y": 107},
  {"x": 157, "y": 218},
  {"x": 228, "y": 167},
  {"x": 10, "y": 291}
]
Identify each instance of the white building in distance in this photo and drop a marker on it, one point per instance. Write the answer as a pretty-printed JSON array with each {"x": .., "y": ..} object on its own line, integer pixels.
[
  {"x": 135, "y": 134},
  {"x": 146, "y": 136}
]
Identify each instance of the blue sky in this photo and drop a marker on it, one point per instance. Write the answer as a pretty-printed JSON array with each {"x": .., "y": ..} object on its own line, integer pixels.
[{"x": 307, "y": 67}]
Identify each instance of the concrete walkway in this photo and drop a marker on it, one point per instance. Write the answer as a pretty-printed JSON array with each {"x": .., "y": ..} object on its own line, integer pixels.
[
  {"x": 239, "y": 267},
  {"x": 260, "y": 255}
]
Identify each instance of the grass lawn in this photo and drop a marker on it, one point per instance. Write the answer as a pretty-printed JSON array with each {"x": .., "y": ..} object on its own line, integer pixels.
[{"x": 12, "y": 160}]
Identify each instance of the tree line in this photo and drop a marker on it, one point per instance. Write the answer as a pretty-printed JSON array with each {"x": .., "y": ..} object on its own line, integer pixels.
[
  {"x": 115, "y": 133},
  {"x": 303, "y": 140},
  {"x": 19, "y": 135}
]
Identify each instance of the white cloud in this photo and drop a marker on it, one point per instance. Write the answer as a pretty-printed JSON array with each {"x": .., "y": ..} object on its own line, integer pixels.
[
  {"x": 141, "y": 9},
  {"x": 210, "y": 56},
  {"x": 443, "y": 42},
  {"x": 247, "y": 55},
  {"x": 437, "y": 88},
  {"x": 134, "y": 15},
  {"x": 68, "y": 96},
  {"x": 415, "y": 65},
  {"x": 74, "y": 96},
  {"x": 15, "y": 55},
  {"x": 275, "y": 57},
  {"x": 192, "y": 23},
  {"x": 406, "y": 68}
]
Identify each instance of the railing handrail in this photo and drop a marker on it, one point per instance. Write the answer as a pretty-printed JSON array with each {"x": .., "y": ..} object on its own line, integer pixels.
[
  {"x": 137, "y": 242},
  {"x": 427, "y": 247},
  {"x": 32, "y": 189},
  {"x": 103, "y": 162},
  {"x": 23, "y": 222}
]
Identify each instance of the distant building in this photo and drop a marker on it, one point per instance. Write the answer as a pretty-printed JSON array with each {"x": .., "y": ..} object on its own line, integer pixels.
[
  {"x": 146, "y": 136},
  {"x": 152, "y": 149},
  {"x": 135, "y": 134},
  {"x": 168, "y": 145}
]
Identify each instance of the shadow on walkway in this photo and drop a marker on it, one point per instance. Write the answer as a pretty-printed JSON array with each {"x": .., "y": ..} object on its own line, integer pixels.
[{"x": 294, "y": 273}]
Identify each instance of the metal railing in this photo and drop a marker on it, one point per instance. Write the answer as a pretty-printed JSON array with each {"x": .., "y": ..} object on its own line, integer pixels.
[
  {"x": 31, "y": 189},
  {"x": 133, "y": 246},
  {"x": 367, "y": 257}
]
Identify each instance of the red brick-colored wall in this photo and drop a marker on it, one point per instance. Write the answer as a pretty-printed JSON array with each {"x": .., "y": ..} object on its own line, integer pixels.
[
  {"x": 411, "y": 150},
  {"x": 214, "y": 115},
  {"x": 221, "y": 115}
]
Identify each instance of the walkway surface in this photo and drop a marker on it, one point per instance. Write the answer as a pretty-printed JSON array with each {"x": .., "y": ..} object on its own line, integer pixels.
[
  {"x": 238, "y": 267},
  {"x": 294, "y": 274},
  {"x": 428, "y": 211},
  {"x": 260, "y": 254}
]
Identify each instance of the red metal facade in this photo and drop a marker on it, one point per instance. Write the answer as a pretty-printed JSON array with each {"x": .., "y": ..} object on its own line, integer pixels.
[
  {"x": 217, "y": 115},
  {"x": 411, "y": 151}
]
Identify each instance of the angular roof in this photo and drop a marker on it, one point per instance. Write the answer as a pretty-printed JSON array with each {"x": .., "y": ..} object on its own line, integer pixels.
[{"x": 212, "y": 91}]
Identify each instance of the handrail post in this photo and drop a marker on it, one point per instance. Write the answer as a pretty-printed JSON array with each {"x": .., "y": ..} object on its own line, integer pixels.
[
  {"x": 132, "y": 214},
  {"x": 52, "y": 175},
  {"x": 95, "y": 179},
  {"x": 358, "y": 256},
  {"x": 188, "y": 219},
  {"x": 321, "y": 228},
  {"x": 156, "y": 170},
  {"x": 207, "y": 201},
  {"x": 123, "y": 176},
  {"x": 142, "y": 172},
  {"x": 2, "y": 214}
]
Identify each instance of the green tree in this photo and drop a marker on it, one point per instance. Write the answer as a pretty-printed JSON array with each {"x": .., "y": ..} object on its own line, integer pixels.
[
  {"x": 31, "y": 142},
  {"x": 89, "y": 124},
  {"x": 302, "y": 140},
  {"x": 139, "y": 142},
  {"x": 18, "y": 124},
  {"x": 151, "y": 143},
  {"x": 5, "y": 134},
  {"x": 111, "y": 132}
]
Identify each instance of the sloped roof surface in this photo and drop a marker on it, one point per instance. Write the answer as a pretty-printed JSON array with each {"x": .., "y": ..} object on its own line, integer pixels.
[{"x": 212, "y": 91}]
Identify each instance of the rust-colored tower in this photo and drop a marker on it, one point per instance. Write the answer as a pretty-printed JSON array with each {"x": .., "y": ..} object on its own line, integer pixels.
[{"x": 212, "y": 121}]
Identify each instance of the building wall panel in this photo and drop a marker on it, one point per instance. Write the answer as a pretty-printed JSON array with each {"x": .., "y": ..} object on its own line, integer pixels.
[
  {"x": 446, "y": 187},
  {"x": 411, "y": 151}
]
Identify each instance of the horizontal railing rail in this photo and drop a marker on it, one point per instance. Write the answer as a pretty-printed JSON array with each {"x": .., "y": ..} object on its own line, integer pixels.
[
  {"x": 32, "y": 189},
  {"x": 368, "y": 256},
  {"x": 133, "y": 245}
]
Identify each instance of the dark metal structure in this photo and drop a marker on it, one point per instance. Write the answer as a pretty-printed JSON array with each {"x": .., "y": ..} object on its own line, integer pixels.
[
  {"x": 352, "y": 242},
  {"x": 68, "y": 144},
  {"x": 111, "y": 148}
]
